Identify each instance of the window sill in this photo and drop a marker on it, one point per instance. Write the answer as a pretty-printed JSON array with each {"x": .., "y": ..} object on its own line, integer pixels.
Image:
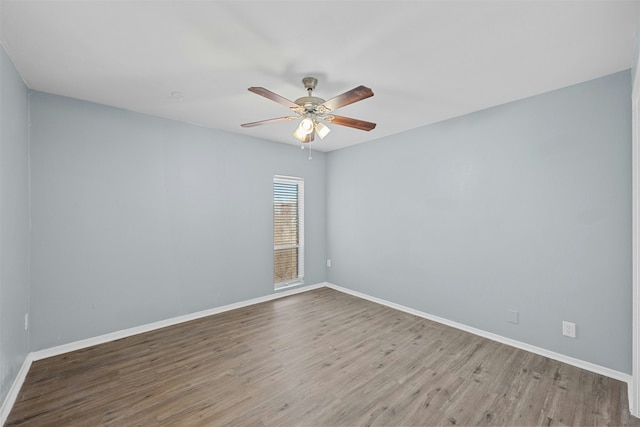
[{"x": 288, "y": 286}]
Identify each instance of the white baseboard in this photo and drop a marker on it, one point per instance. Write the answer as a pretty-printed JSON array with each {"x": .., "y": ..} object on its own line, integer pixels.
[
  {"x": 607, "y": 372},
  {"x": 65, "y": 348},
  {"x": 11, "y": 397},
  {"x": 112, "y": 336}
]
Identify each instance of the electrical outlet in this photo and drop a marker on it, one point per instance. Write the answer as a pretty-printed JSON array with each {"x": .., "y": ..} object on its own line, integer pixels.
[
  {"x": 26, "y": 321},
  {"x": 328, "y": 263},
  {"x": 569, "y": 329},
  {"x": 512, "y": 316}
]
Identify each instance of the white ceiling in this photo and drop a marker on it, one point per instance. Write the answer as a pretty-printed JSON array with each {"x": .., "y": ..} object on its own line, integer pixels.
[{"x": 426, "y": 61}]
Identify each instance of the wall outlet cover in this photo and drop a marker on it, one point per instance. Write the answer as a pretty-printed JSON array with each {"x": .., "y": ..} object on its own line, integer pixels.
[{"x": 568, "y": 329}]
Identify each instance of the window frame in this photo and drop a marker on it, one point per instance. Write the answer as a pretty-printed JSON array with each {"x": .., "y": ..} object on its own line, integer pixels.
[{"x": 299, "y": 246}]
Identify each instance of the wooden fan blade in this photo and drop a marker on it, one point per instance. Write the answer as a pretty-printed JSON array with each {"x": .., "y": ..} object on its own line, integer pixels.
[
  {"x": 349, "y": 97},
  {"x": 352, "y": 123},
  {"x": 264, "y": 122},
  {"x": 274, "y": 97}
]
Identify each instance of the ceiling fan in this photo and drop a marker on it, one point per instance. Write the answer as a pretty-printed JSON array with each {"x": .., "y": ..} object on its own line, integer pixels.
[{"x": 312, "y": 110}]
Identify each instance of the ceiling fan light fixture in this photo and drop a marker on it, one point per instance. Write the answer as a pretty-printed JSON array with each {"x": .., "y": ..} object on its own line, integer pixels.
[
  {"x": 305, "y": 128},
  {"x": 304, "y": 138},
  {"x": 299, "y": 135},
  {"x": 322, "y": 130},
  {"x": 306, "y": 125}
]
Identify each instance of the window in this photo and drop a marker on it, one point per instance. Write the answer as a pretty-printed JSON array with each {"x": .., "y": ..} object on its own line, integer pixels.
[{"x": 288, "y": 231}]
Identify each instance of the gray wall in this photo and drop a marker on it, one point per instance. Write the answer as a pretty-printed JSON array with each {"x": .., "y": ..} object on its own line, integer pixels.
[
  {"x": 14, "y": 222},
  {"x": 138, "y": 219},
  {"x": 636, "y": 55},
  {"x": 525, "y": 206}
]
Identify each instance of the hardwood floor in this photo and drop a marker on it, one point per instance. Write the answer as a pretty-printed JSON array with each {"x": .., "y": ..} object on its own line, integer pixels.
[{"x": 317, "y": 358}]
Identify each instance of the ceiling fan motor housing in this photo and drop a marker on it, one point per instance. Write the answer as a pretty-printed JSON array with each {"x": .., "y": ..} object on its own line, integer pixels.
[{"x": 309, "y": 103}]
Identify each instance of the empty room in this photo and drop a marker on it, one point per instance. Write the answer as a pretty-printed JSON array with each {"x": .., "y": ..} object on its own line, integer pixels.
[{"x": 322, "y": 213}]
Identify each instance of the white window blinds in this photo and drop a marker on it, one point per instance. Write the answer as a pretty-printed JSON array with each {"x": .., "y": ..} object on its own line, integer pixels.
[{"x": 288, "y": 231}]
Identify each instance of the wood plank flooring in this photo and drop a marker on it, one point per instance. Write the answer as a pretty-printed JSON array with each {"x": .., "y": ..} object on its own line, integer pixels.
[{"x": 317, "y": 358}]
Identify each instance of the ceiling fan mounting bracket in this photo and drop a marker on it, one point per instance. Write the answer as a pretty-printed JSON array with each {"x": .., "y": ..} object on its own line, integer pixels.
[{"x": 310, "y": 83}]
